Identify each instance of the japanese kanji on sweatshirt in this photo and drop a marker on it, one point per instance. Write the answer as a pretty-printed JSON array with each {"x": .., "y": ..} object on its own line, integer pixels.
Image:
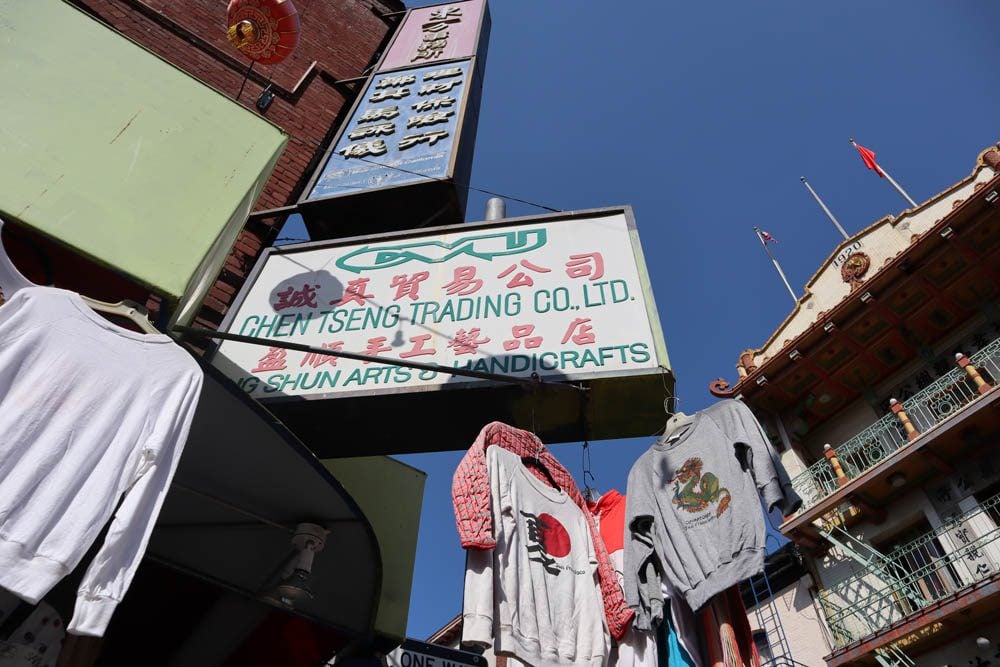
[
  {"x": 694, "y": 509},
  {"x": 90, "y": 413},
  {"x": 474, "y": 515},
  {"x": 535, "y": 595}
]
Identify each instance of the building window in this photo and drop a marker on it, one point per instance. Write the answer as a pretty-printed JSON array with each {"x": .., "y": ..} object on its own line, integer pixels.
[
  {"x": 918, "y": 567},
  {"x": 763, "y": 647},
  {"x": 993, "y": 509}
]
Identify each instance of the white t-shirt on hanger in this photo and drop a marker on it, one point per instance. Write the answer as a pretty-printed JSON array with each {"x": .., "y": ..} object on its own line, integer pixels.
[{"x": 89, "y": 412}]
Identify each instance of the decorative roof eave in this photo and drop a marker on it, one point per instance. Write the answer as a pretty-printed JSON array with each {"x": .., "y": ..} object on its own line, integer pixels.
[
  {"x": 988, "y": 158},
  {"x": 449, "y": 634}
]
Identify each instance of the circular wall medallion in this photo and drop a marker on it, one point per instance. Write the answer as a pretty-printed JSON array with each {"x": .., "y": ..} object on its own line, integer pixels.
[{"x": 854, "y": 268}]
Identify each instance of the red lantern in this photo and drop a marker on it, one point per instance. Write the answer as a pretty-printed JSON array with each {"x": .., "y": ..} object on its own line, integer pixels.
[{"x": 266, "y": 31}]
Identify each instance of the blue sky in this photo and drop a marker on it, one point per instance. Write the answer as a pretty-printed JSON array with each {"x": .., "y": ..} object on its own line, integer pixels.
[{"x": 702, "y": 116}]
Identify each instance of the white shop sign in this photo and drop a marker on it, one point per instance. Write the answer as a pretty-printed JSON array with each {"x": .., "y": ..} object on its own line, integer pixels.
[{"x": 564, "y": 299}]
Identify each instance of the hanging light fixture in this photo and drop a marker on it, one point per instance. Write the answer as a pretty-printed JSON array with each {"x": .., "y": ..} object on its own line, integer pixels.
[
  {"x": 265, "y": 31},
  {"x": 294, "y": 583}
]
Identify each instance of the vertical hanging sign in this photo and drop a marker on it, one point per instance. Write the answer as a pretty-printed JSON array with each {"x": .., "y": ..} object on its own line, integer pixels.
[
  {"x": 431, "y": 34},
  {"x": 402, "y": 132},
  {"x": 408, "y": 141}
]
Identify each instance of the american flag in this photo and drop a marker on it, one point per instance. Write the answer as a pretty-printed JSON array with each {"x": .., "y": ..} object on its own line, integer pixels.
[{"x": 767, "y": 237}]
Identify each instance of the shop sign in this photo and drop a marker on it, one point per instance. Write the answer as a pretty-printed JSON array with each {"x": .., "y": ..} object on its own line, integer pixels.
[
  {"x": 556, "y": 297},
  {"x": 413, "y": 653},
  {"x": 439, "y": 32},
  {"x": 408, "y": 141},
  {"x": 403, "y": 130}
]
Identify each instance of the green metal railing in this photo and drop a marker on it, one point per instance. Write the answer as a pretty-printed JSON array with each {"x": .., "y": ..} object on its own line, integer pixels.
[
  {"x": 893, "y": 656},
  {"x": 965, "y": 549},
  {"x": 926, "y": 409}
]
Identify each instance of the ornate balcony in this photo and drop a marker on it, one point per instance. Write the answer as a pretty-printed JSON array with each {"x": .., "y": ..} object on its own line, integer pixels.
[
  {"x": 897, "y": 598},
  {"x": 915, "y": 418}
]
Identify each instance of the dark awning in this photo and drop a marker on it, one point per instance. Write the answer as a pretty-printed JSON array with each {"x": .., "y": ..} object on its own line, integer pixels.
[{"x": 243, "y": 485}]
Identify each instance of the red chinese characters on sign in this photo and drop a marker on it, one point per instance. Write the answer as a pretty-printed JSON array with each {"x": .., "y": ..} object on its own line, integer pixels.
[
  {"x": 408, "y": 285},
  {"x": 467, "y": 342},
  {"x": 273, "y": 360},
  {"x": 522, "y": 332},
  {"x": 586, "y": 265},
  {"x": 293, "y": 298},
  {"x": 584, "y": 332},
  {"x": 375, "y": 346},
  {"x": 522, "y": 279},
  {"x": 464, "y": 283},
  {"x": 355, "y": 292},
  {"x": 316, "y": 360},
  {"x": 418, "y": 349}
]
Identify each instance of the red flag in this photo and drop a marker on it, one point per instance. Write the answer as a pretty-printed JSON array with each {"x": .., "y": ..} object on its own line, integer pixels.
[
  {"x": 868, "y": 156},
  {"x": 767, "y": 237}
]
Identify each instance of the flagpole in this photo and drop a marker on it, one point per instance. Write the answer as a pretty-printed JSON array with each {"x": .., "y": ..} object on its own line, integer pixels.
[
  {"x": 889, "y": 178},
  {"x": 823, "y": 206},
  {"x": 776, "y": 265}
]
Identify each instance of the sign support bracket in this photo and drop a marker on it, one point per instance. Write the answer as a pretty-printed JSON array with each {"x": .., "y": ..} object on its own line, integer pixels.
[{"x": 273, "y": 212}]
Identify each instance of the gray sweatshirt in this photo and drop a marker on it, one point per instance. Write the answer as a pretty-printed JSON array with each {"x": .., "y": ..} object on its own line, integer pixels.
[{"x": 693, "y": 509}]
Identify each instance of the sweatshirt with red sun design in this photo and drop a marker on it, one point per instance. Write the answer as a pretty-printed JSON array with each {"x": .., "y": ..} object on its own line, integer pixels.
[{"x": 535, "y": 596}]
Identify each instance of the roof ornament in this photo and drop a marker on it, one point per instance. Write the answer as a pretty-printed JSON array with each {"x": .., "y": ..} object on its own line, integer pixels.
[{"x": 720, "y": 388}]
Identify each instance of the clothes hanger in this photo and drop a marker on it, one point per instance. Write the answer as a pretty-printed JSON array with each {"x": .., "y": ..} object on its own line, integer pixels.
[
  {"x": 534, "y": 461},
  {"x": 590, "y": 494},
  {"x": 676, "y": 421},
  {"x": 128, "y": 309}
]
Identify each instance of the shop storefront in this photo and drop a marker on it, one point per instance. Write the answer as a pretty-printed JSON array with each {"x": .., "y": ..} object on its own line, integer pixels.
[{"x": 125, "y": 178}]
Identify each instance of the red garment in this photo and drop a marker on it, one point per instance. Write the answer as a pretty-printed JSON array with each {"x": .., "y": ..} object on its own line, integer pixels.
[
  {"x": 290, "y": 641},
  {"x": 609, "y": 510},
  {"x": 470, "y": 494},
  {"x": 728, "y": 639}
]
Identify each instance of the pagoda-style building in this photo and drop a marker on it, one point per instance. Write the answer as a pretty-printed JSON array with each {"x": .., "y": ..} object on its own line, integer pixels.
[{"x": 881, "y": 391}]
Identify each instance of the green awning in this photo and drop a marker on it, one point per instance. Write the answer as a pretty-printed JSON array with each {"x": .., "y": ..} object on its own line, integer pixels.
[
  {"x": 389, "y": 494},
  {"x": 118, "y": 154}
]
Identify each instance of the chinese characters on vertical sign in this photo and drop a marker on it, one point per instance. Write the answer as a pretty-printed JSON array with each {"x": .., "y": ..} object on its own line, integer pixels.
[
  {"x": 435, "y": 32},
  {"x": 551, "y": 299},
  {"x": 403, "y": 132},
  {"x": 435, "y": 108},
  {"x": 439, "y": 32},
  {"x": 405, "y": 128}
]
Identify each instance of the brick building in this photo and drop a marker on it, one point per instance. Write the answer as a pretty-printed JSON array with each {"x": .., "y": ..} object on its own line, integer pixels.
[
  {"x": 203, "y": 594},
  {"x": 313, "y": 89}
]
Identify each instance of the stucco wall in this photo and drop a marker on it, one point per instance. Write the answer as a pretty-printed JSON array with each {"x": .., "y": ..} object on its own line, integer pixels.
[
  {"x": 849, "y": 422},
  {"x": 802, "y": 622}
]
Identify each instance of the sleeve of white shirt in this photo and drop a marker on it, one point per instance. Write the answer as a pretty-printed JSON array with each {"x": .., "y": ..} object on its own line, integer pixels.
[
  {"x": 110, "y": 573},
  {"x": 11, "y": 279},
  {"x": 477, "y": 602}
]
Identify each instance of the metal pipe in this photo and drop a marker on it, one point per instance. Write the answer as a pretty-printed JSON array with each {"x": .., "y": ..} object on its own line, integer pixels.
[
  {"x": 228, "y": 505},
  {"x": 299, "y": 347},
  {"x": 496, "y": 208},
  {"x": 273, "y": 212}
]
